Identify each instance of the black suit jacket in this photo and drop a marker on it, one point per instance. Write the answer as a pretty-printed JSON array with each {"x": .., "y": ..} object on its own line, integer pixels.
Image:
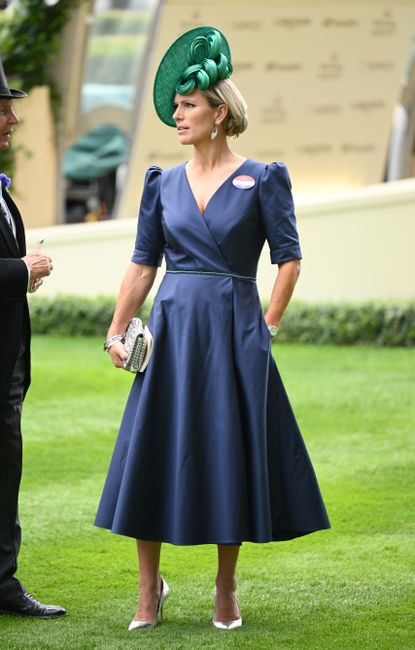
[{"x": 14, "y": 313}]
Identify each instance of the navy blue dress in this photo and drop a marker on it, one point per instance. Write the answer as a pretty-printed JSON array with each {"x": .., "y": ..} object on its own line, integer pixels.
[{"x": 209, "y": 450}]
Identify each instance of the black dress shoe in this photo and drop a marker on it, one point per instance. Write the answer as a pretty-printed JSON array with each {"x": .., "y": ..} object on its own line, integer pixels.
[{"x": 26, "y": 605}]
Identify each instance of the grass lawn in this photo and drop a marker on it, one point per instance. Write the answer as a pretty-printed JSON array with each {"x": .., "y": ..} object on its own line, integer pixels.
[{"x": 349, "y": 588}]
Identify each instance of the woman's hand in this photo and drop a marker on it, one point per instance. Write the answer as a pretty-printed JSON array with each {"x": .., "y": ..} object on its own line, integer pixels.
[
  {"x": 135, "y": 286},
  {"x": 118, "y": 354}
]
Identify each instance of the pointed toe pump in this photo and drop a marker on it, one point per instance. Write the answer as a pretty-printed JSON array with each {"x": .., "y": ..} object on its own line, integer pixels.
[
  {"x": 228, "y": 625},
  {"x": 148, "y": 625}
]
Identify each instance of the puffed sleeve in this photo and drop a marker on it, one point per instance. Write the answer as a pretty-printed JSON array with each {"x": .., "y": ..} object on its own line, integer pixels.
[
  {"x": 278, "y": 215},
  {"x": 149, "y": 243}
]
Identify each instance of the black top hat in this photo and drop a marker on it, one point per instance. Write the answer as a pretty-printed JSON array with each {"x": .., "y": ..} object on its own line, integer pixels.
[{"x": 5, "y": 91}]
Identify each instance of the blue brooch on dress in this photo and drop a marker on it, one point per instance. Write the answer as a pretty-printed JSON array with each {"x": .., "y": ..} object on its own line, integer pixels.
[{"x": 5, "y": 180}]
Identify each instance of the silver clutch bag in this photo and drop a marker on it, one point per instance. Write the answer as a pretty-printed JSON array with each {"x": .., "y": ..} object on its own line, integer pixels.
[{"x": 138, "y": 343}]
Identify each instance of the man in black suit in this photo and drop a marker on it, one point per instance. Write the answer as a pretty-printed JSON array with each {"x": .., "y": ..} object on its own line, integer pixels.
[{"x": 19, "y": 272}]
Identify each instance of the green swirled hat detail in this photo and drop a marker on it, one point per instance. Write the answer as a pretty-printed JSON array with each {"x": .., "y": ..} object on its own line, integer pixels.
[{"x": 197, "y": 59}]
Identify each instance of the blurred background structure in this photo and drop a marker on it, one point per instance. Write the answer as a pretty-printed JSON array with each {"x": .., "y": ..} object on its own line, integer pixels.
[{"x": 330, "y": 86}]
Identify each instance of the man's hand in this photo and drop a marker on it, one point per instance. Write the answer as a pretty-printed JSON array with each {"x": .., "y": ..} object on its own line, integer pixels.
[
  {"x": 39, "y": 264},
  {"x": 36, "y": 284}
]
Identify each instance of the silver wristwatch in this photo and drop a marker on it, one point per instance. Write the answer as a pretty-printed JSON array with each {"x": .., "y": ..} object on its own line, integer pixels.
[{"x": 273, "y": 330}]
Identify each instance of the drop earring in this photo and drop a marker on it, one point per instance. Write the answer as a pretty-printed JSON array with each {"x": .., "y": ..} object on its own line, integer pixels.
[{"x": 214, "y": 133}]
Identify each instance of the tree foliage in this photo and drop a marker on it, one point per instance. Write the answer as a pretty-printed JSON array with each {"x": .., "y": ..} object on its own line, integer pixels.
[{"x": 30, "y": 37}]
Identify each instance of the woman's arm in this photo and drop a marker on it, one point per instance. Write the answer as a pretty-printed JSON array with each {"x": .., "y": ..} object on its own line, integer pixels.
[
  {"x": 135, "y": 287},
  {"x": 282, "y": 291}
]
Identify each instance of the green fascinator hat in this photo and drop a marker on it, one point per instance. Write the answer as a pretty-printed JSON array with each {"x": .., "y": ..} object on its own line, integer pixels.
[{"x": 197, "y": 59}]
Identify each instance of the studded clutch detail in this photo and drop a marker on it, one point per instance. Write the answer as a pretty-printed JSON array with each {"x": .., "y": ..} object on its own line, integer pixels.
[{"x": 138, "y": 343}]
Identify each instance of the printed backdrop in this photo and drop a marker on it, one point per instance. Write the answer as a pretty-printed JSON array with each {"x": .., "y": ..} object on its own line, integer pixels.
[{"x": 321, "y": 80}]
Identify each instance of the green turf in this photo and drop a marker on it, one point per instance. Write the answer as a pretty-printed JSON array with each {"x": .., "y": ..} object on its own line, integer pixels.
[{"x": 348, "y": 588}]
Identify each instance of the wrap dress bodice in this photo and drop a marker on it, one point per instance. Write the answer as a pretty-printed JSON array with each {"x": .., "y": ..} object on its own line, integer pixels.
[{"x": 209, "y": 450}]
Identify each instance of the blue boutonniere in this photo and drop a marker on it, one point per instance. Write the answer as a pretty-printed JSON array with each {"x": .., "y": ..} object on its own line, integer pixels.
[{"x": 5, "y": 180}]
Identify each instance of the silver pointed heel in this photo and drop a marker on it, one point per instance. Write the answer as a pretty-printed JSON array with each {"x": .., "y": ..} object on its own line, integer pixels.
[
  {"x": 228, "y": 625},
  {"x": 146, "y": 625}
]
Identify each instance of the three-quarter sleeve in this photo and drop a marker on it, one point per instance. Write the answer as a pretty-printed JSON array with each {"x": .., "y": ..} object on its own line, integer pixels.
[
  {"x": 149, "y": 243},
  {"x": 278, "y": 214}
]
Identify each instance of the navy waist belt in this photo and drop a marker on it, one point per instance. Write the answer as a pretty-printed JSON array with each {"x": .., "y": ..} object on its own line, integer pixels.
[{"x": 246, "y": 278}]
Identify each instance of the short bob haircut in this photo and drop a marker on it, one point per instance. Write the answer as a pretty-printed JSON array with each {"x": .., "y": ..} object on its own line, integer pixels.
[{"x": 225, "y": 92}]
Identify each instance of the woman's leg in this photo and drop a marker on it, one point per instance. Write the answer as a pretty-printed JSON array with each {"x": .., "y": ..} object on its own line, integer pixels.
[
  {"x": 149, "y": 583},
  {"x": 227, "y": 608}
]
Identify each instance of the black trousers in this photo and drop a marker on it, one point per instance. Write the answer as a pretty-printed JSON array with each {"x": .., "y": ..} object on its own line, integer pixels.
[{"x": 10, "y": 475}]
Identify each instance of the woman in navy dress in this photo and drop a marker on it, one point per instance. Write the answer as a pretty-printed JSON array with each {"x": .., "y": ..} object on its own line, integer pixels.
[{"x": 209, "y": 451}]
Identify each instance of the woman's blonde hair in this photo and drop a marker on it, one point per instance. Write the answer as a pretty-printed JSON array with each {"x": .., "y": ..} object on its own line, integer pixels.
[{"x": 225, "y": 92}]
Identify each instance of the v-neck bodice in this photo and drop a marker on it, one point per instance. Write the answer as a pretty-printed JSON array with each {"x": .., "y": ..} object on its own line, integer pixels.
[
  {"x": 228, "y": 178},
  {"x": 238, "y": 219}
]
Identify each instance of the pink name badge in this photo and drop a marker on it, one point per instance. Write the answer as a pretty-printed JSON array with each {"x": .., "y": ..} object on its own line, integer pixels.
[{"x": 243, "y": 182}]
